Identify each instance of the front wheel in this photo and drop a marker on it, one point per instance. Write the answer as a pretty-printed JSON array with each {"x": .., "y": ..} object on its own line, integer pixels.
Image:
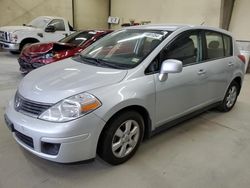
[
  {"x": 230, "y": 97},
  {"x": 25, "y": 45},
  {"x": 122, "y": 137}
]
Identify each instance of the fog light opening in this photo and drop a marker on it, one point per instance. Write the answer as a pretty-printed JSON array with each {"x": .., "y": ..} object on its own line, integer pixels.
[{"x": 50, "y": 149}]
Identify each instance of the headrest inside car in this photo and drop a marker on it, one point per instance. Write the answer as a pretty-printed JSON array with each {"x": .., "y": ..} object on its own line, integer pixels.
[{"x": 213, "y": 44}]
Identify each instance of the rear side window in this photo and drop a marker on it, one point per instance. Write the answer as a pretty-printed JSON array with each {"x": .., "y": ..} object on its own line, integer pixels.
[
  {"x": 217, "y": 45},
  {"x": 214, "y": 42},
  {"x": 228, "y": 45}
]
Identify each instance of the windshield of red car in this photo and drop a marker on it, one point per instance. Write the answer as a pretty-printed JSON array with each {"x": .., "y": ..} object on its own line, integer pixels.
[{"x": 78, "y": 38}]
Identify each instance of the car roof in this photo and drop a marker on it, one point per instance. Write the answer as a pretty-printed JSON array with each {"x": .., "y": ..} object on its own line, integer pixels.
[
  {"x": 51, "y": 17},
  {"x": 174, "y": 27}
]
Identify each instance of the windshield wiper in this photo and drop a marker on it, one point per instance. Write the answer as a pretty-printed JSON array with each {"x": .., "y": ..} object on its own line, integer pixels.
[
  {"x": 100, "y": 62},
  {"x": 109, "y": 64},
  {"x": 90, "y": 60}
]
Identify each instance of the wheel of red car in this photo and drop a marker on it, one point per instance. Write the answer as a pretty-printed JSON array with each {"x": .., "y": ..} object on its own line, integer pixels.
[{"x": 122, "y": 137}]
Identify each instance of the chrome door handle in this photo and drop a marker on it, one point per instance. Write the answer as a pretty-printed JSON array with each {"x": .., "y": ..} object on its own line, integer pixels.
[
  {"x": 201, "y": 72},
  {"x": 230, "y": 64}
]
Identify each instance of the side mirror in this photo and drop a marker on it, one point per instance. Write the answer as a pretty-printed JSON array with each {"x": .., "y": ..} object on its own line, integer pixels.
[
  {"x": 169, "y": 66},
  {"x": 50, "y": 29}
]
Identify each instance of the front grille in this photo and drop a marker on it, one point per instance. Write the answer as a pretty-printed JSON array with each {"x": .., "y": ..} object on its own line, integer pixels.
[
  {"x": 2, "y": 36},
  {"x": 30, "y": 107},
  {"x": 25, "y": 139}
]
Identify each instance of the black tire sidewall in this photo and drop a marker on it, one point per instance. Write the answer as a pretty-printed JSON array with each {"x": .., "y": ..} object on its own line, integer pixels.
[
  {"x": 106, "y": 152},
  {"x": 223, "y": 107}
]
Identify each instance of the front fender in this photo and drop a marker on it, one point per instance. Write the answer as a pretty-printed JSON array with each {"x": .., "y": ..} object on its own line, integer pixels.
[
  {"x": 139, "y": 92},
  {"x": 24, "y": 34}
]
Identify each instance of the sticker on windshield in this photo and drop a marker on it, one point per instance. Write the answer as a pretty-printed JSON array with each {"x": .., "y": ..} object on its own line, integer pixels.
[
  {"x": 153, "y": 35},
  {"x": 135, "y": 60}
]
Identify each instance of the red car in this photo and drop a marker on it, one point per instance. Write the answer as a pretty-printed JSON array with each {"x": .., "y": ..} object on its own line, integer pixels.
[{"x": 39, "y": 54}]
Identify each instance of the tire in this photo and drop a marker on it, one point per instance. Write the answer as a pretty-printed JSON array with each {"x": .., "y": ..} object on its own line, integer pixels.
[
  {"x": 121, "y": 138},
  {"x": 230, "y": 97},
  {"x": 24, "y": 46}
]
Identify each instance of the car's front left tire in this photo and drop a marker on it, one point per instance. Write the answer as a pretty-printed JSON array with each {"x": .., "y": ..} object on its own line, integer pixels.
[{"x": 121, "y": 138}]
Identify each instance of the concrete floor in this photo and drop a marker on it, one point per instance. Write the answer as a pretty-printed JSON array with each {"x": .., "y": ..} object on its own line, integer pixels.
[{"x": 209, "y": 151}]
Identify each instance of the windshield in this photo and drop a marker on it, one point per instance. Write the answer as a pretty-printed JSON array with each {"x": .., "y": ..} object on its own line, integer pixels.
[
  {"x": 125, "y": 48},
  {"x": 78, "y": 38},
  {"x": 39, "y": 22}
]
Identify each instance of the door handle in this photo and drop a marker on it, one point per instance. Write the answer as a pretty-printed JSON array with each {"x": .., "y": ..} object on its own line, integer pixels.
[
  {"x": 201, "y": 72},
  {"x": 230, "y": 64}
]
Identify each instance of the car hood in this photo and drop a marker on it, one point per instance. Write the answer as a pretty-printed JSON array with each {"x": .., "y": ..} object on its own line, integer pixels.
[
  {"x": 12, "y": 29},
  {"x": 54, "y": 82},
  {"x": 42, "y": 48}
]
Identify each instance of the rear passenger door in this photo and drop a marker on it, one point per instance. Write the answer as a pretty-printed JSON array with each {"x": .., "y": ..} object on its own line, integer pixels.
[{"x": 218, "y": 62}]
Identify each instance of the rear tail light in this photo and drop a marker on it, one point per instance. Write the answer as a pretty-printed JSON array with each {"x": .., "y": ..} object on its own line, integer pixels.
[{"x": 242, "y": 58}]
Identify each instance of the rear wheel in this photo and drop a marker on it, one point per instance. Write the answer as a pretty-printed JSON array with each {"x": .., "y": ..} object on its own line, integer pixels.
[
  {"x": 122, "y": 137},
  {"x": 230, "y": 97}
]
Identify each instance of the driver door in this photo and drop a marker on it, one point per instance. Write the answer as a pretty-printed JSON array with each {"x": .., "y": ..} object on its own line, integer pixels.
[
  {"x": 182, "y": 92},
  {"x": 60, "y": 31}
]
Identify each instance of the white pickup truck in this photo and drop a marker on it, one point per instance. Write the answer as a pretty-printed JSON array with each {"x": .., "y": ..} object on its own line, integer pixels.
[{"x": 41, "y": 29}]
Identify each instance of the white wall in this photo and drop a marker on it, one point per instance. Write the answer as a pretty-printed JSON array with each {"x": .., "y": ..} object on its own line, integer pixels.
[
  {"x": 168, "y": 11},
  {"x": 240, "y": 25},
  {"x": 14, "y": 12},
  {"x": 88, "y": 13},
  {"x": 91, "y": 14}
]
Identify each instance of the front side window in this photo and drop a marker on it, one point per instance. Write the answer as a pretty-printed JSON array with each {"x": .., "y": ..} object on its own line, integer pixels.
[
  {"x": 58, "y": 24},
  {"x": 125, "y": 48},
  {"x": 78, "y": 38},
  {"x": 214, "y": 42},
  {"x": 39, "y": 22},
  {"x": 184, "y": 48}
]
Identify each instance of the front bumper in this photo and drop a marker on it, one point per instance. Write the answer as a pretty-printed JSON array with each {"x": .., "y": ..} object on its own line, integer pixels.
[
  {"x": 25, "y": 67},
  {"x": 77, "y": 139},
  {"x": 9, "y": 46}
]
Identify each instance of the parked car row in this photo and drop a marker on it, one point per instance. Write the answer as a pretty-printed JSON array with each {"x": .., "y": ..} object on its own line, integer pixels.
[
  {"x": 126, "y": 87},
  {"x": 33, "y": 41}
]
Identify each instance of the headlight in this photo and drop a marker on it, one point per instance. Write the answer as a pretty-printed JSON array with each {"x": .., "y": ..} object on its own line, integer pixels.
[
  {"x": 71, "y": 108},
  {"x": 47, "y": 56},
  {"x": 12, "y": 37}
]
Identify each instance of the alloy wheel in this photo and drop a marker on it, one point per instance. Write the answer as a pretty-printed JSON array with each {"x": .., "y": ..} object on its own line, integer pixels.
[{"x": 125, "y": 138}]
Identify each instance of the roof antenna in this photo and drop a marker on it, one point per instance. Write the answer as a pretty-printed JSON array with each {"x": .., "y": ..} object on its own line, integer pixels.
[{"x": 202, "y": 23}]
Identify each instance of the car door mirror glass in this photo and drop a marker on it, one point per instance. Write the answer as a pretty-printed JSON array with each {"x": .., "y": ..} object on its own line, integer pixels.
[
  {"x": 50, "y": 29},
  {"x": 169, "y": 66}
]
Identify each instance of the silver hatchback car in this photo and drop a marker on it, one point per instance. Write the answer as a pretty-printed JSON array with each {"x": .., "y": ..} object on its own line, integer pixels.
[{"x": 125, "y": 87}]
